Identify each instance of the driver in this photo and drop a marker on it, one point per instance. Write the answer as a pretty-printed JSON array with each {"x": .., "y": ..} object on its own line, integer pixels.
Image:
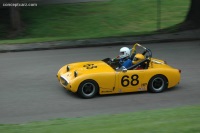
[{"x": 124, "y": 57}]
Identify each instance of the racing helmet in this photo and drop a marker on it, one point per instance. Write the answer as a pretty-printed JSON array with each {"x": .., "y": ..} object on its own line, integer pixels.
[
  {"x": 124, "y": 52},
  {"x": 138, "y": 58}
]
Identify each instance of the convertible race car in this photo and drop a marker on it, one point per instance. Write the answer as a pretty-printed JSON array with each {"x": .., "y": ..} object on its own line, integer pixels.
[{"x": 90, "y": 78}]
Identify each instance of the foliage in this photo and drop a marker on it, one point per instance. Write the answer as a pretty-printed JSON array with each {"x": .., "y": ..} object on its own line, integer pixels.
[
  {"x": 175, "y": 120},
  {"x": 99, "y": 19}
]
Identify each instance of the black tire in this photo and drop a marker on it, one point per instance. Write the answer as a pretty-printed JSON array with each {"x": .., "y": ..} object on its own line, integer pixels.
[
  {"x": 157, "y": 83},
  {"x": 88, "y": 89}
]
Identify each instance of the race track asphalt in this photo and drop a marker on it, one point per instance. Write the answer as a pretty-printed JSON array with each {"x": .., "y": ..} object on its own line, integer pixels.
[{"x": 29, "y": 90}]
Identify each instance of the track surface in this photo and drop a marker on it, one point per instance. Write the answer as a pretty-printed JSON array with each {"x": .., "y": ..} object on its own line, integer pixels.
[{"x": 29, "y": 90}]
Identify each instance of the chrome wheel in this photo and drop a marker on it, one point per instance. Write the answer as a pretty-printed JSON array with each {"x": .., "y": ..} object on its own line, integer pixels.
[
  {"x": 157, "y": 83},
  {"x": 88, "y": 89}
]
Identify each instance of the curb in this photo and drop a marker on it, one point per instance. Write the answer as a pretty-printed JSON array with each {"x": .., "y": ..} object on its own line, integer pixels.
[{"x": 192, "y": 35}]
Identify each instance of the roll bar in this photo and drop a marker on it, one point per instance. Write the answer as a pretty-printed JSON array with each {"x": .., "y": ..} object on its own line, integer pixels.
[{"x": 146, "y": 50}]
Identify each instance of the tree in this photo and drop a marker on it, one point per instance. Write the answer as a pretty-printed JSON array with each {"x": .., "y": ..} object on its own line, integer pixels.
[
  {"x": 15, "y": 19},
  {"x": 193, "y": 17}
]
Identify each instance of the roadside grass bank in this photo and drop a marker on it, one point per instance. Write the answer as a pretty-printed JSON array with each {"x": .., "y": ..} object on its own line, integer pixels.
[
  {"x": 96, "y": 20},
  {"x": 173, "y": 120}
]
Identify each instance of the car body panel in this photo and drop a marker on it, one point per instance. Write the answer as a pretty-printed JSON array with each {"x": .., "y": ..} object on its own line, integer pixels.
[{"x": 111, "y": 81}]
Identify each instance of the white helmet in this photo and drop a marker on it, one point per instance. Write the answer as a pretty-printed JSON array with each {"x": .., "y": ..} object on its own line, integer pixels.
[{"x": 124, "y": 52}]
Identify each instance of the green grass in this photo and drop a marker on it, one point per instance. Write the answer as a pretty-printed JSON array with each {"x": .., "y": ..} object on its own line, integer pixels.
[
  {"x": 97, "y": 19},
  {"x": 175, "y": 120}
]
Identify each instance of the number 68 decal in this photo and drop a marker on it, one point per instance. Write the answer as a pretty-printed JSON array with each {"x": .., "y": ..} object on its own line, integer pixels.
[{"x": 125, "y": 81}]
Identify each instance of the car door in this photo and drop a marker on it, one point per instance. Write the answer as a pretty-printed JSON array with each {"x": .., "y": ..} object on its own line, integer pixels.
[{"x": 131, "y": 81}]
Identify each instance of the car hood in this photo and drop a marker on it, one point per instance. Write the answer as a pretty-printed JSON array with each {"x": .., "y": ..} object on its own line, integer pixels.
[{"x": 90, "y": 67}]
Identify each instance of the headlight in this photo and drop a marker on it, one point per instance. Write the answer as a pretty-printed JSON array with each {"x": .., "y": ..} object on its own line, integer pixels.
[
  {"x": 64, "y": 81},
  {"x": 75, "y": 73},
  {"x": 68, "y": 68}
]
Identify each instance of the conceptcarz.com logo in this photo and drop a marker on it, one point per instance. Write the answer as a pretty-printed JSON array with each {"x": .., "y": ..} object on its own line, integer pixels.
[{"x": 19, "y": 4}]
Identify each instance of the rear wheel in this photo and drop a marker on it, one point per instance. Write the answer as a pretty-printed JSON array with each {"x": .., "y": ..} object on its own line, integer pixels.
[
  {"x": 88, "y": 89},
  {"x": 157, "y": 83}
]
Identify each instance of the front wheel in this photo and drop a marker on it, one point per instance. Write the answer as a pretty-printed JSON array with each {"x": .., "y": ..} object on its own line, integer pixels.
[
  {"x": 88, "y": 89},
  {"x": 157, "y": 84}
]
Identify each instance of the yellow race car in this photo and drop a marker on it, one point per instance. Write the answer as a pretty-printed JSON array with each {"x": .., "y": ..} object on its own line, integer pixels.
[{"x": 90, "y": 78}]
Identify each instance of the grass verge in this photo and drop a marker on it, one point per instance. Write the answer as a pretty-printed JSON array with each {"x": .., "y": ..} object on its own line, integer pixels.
[
  {"x": 175, "y": 120},
  {"x": 96, "y": 19}
]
